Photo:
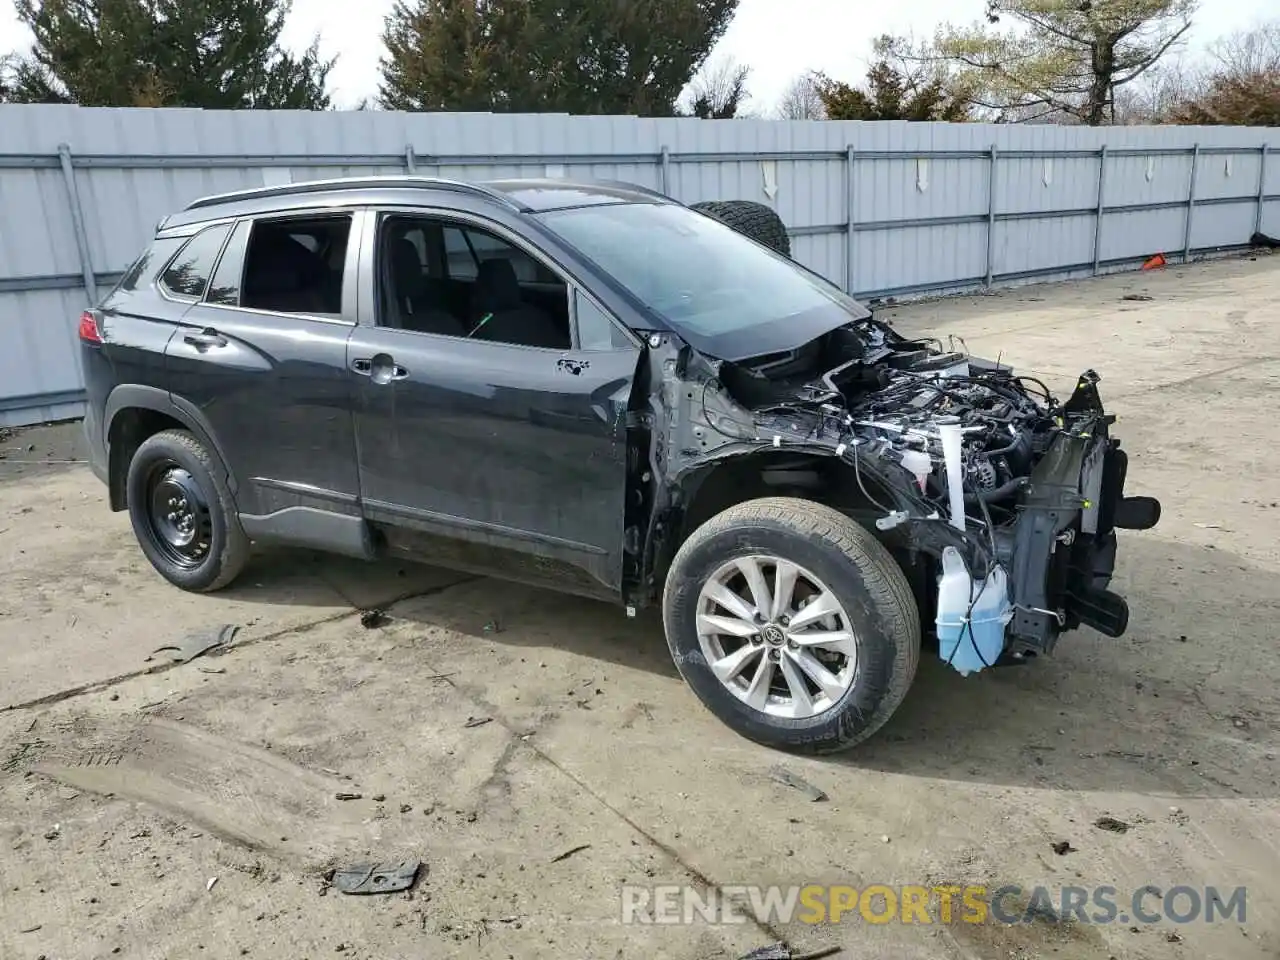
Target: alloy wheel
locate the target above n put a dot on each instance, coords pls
(776, 636)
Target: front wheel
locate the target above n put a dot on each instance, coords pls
(183, 514)
(792, 624)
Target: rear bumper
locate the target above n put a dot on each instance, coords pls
(95, 444)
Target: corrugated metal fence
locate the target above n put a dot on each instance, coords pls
(884, 209)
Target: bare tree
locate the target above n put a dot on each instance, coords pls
(1242, 87)
(719, 90)
(1160, 92)
(801, 101)
(1252, 51)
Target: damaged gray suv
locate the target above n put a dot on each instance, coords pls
(592, 388)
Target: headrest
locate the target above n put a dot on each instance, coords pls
(496, 285)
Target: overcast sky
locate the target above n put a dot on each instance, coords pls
(777, 39)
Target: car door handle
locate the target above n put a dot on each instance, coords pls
(381, 368)
(205, 338)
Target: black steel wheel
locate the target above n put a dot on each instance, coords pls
(183, 514)
(178, 518)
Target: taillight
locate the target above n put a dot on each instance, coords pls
(89, 331)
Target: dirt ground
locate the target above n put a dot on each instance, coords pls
(184, 811)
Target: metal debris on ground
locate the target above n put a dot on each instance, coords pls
(1111, 824)
(780, 951)
(197, 644)
(493, 626)
(477, 721)
(372, 619)
(1062, 847)
(347, 796)
(209, 886)
(787, 778)
(570, 852)
(1141, 297)
(363, 878)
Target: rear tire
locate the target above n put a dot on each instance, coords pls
(183, 514)
(866, 648)
(755, 220)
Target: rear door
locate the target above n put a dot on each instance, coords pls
(491, 454)
(261, 354)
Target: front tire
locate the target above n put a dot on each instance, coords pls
(183, 514)
(792, 624)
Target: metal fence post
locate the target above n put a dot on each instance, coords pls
(991, 216)
(850, 218)
(77, 223)
(1191, 205)
(1262, 192)
(1097, 222)
(665, 159)
(410, 159)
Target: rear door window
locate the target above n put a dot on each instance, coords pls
(188, 273)
(295, 265)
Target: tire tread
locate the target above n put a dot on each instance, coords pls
(236, 546)
(755, 220)
(889, 591)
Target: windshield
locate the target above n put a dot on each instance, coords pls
(726, 295)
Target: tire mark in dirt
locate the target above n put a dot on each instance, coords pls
(243, 794)
(1186, 381)
(96, 686)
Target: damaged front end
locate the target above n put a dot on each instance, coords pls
(1000, 502)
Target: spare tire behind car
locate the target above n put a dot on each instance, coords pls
(755, 220)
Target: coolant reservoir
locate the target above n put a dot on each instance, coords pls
(972, 615)
(920, 464)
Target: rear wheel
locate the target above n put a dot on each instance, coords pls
(183, 514)
(792, 624)
(755, 220)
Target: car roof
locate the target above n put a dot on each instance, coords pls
(521, 195)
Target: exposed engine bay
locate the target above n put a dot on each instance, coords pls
(989, 487)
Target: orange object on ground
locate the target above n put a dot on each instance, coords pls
(1157, 261)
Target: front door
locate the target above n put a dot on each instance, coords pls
(489, 437)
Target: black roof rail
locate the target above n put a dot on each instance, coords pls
(352, 183)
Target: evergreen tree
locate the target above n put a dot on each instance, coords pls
(218, 54)
(571, 56)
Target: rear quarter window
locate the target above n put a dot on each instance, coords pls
(145, 268)
(188, 274)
